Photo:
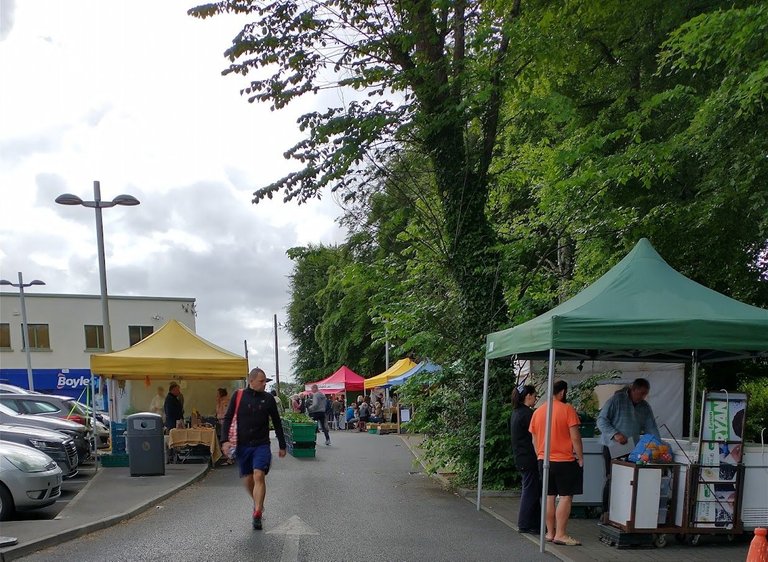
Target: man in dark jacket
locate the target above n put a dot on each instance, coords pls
(255, 408)
(172, 407)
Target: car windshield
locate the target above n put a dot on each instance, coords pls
(7, 411)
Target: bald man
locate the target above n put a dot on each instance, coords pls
(253, 454)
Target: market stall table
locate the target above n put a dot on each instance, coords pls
(179, 438)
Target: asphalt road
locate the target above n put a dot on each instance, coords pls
(363, 497)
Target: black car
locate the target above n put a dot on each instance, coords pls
(60, 447)
(74, 430)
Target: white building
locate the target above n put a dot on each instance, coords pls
(64, 330)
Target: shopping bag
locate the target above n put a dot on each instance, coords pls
(651, 449)
(232, 437)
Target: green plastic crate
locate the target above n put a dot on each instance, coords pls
(303, 453)
(303, 432)
(113, 461)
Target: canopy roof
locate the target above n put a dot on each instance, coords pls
(343, 379)
(641, 309)
(424, 367)
(173, 351)
(395, 370)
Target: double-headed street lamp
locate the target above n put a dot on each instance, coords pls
(24, 326)
(98, 205)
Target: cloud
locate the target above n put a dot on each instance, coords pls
(7, 15)
(139, 104)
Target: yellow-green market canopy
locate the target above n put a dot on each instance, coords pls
(174, 351)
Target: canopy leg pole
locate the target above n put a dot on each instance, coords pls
(694, 377)
(482, 435)
(547, 447)
(92, 404)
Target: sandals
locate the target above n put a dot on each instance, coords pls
(567, 541)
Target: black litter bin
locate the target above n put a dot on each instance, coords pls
(146, 448)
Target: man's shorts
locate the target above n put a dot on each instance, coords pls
(565, 478)
(253, 458)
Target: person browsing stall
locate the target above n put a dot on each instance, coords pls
(173, 409)
(625, 415)
(566, 462)
(529, 515)
(256, 408)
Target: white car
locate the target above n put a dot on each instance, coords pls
(29, 479)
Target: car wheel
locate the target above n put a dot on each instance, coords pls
(6, 503)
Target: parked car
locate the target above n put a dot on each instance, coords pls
(50, 406)
(79, 433)
(13, 389)
(102, 417)
(29, 479)
(60, 447)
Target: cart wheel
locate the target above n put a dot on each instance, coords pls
(693, 540)
(679, 537)
(660, 541)
(731, 538)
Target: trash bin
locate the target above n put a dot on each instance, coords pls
(146, 448)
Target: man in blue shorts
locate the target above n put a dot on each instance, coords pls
(256, 408)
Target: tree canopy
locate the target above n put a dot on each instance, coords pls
(496, 158)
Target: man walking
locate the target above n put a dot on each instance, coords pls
(317, 411)
(566, 462)
(624, 416)
(255, 408)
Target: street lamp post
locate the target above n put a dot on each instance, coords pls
(97, 204)
(24, 325)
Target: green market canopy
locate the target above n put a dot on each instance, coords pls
(641, 309)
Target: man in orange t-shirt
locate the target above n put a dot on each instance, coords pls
(566, 461)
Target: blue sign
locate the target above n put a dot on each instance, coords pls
(64, 382)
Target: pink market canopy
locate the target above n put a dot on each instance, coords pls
(343, 379)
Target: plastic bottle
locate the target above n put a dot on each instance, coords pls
(758, 548)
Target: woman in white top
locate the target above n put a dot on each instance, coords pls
(156, 406)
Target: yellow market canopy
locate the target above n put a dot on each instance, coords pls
(174, 351)
(395, 370)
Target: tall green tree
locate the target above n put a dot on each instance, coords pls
(432, 74)
(311, 271)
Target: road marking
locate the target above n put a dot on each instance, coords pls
(293, 529)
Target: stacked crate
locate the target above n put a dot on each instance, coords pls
(300, 438)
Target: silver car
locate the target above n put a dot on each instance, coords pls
(60, 447)
(50, 406)
(76, 431)
(29, 479)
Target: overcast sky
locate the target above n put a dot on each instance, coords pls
(130, 93)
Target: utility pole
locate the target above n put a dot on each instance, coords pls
(277, 363)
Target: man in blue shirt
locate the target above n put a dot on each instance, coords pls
(625, 415)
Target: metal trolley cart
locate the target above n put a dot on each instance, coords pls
(643, 505)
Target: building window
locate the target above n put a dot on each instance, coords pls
(94, 336)
(38, 336)
(5, 336)
(138, 333)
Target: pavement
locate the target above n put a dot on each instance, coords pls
(113, 496)
(504, 507)
(363, 497)
(110, 497)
